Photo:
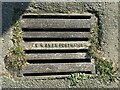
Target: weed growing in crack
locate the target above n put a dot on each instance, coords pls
(15, 58)
(77, 77)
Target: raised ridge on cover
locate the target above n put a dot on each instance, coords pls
(56, 45)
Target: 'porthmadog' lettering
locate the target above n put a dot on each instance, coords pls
(58, 45)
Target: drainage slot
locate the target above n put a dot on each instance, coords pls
(58, 61)
(56, 30)
(54, 39)
(57, 16)
(50, 74)
(56, 51)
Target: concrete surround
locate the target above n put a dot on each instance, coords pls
(107, 14)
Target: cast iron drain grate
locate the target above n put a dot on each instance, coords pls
(56, 44)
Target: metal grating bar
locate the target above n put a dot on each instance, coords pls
(43, 56)
(58, 67)
(55, 23)
(56, 34)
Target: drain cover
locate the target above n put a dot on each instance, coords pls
(56, 44)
